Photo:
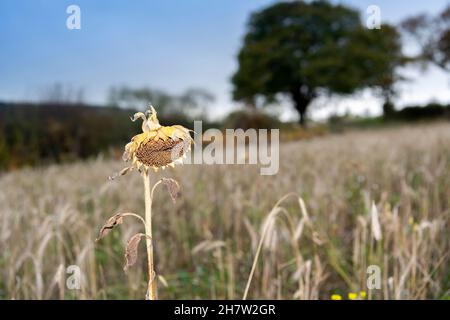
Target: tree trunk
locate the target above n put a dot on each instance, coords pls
(388, 106)
(301, 103)
(301, 108)
(388, 109)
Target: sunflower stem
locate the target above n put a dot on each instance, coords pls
(151, 290)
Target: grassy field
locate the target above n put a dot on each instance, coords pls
(321, 229)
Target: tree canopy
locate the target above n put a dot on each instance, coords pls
(432, 34)
(192, 103)
(303, 49)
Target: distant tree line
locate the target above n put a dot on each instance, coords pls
(192, 103)
(32, 134)
(418, 113)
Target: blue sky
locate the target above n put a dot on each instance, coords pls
(166, 44)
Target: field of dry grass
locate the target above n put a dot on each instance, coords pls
(205, 244)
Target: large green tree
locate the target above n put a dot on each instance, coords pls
(378, 54)
(432, 35)
(303, 49)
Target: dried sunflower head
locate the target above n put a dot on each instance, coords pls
(157, 146)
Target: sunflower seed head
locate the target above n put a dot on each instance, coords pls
(159, 153)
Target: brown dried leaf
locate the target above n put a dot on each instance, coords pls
(132, 250)
(172, 187)
(109, 225)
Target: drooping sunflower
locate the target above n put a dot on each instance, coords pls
(157, 146)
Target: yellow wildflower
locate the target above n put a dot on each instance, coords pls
(352, 295)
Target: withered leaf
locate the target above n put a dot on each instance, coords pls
(132, 250)
(172, 187)
(109, 225)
